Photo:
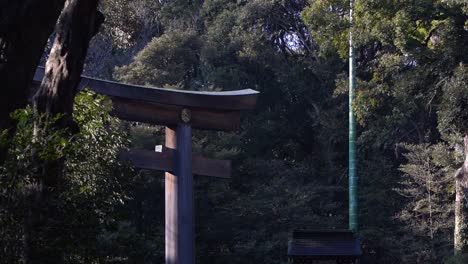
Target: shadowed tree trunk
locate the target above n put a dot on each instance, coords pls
(25, 26)
(461, 205)
(78, 23)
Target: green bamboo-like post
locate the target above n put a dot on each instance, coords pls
(353, 177)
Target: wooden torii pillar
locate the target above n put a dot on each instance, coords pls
(203, 110)
(179, 111)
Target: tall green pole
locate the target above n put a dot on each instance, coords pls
(353, 178)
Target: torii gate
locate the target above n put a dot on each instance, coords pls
(179, 111)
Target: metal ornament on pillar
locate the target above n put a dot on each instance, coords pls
(185, 115)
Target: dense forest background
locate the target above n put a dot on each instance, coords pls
(290, 155)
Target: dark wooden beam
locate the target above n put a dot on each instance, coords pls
(183, 170)
(163, 161)
(145, 159)
(171, 207)
(168, 115)
(180, 224)
(225, 100)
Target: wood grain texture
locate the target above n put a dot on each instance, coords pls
(171, 206)
(179, 226)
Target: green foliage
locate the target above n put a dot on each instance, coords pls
(291, 138)
(407, 53)
(289, 157)
(48, 143)
(94, 197)
(328, 23)
(457, 259)
(428, 189)
(453, 117)
(169, 60)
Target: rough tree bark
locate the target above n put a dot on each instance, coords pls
(461, 205)
(25, 26)
(78, 23)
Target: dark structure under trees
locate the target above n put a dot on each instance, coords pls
(338, 246)
(179, 111)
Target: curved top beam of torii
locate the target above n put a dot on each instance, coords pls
(179, 111)
(225, 100)
(209, 110)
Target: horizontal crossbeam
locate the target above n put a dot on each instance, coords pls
(164, 161)
(169, 115)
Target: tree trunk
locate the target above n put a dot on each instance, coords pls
(25, 26)
(461, 205)
(78, 23)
